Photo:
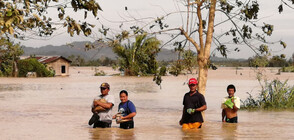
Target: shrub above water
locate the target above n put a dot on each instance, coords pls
(274, 95)
(32, 65)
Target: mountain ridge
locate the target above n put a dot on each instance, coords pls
(102, 51)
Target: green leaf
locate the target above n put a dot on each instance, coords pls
(283, 44)
(85, 15)
(280, 8)
(9, 13)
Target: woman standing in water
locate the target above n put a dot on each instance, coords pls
(126, 111)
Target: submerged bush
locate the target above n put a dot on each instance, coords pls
(100, 73)
(274, 95)
(33, 65)
(288, 69)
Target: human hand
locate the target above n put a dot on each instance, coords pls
(233, 100)
(190, 111)
(96, 103)
(118, 119)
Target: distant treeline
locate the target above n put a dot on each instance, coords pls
(257, 61)
(80, 61)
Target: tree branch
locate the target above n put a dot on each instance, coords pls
(210, 28)
(199, 15)
(190, 39)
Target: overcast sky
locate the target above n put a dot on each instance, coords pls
(114, 12)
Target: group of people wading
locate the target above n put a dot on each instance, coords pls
(194, 103)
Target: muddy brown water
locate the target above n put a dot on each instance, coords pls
(59, 108)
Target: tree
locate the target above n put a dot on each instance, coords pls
(77, 60)
(278, 61)
(186, 61)
(189, 60)
(20, 19)
(33, 65)
(241, 27)
(139, 57)
(258, 61)
(241, 32)
(9, 55)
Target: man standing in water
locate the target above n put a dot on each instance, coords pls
(194, 103)
(230, 106)
(102, 118)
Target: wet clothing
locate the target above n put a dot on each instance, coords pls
(224, 106)
(127, 125)
(191, 125)
(195, 101)
(126, 109)
(101, 124)
(105, 117)
(232, 120)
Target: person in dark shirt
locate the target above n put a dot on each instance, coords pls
(194, 103)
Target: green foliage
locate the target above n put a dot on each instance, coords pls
(19, 17)
(264, 61)
(99, 72)
(223, 50)
(138, 58)
(176, 68)
(80, 61)
(274, 95)
(157, 79)
(76, 60)
(33, 65)
(187, 61)
(162, 71)
(278, 61)
(231, 63)
(9, 55)
(258, 61)
(250, 10)
(288, 69)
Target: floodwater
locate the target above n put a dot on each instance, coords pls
(59, 109)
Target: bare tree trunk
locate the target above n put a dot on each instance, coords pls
(204, 52)
(14, 69)
(202, 75)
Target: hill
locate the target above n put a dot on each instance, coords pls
(78, 48)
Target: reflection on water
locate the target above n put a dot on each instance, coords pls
(229, 130)
(112, 133)
(10, 87)
(59, 108)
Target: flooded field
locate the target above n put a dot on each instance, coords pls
(59, 108)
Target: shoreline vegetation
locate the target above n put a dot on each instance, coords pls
(274, 95)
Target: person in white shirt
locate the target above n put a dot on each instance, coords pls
(103, 117)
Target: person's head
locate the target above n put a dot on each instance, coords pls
(104, 88)
(193, 84)
(123, 95)
(231, 90)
